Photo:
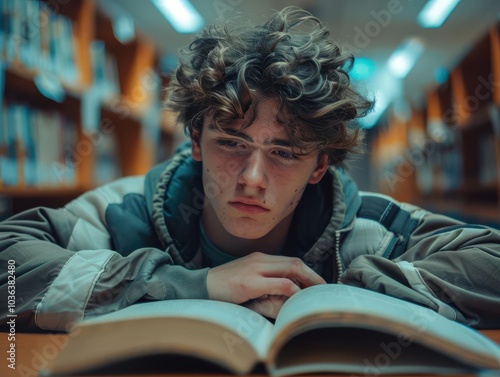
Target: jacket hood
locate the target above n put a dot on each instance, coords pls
(174, 195)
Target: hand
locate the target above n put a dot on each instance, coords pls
(257, 275)
(267, 305)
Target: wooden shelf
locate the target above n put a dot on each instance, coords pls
(129, 111)
(460, 160)
(480, 119)
(43, 191)
(124, 110)
(21, 87)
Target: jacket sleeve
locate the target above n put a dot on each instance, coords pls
(66, 268)
(449, 266)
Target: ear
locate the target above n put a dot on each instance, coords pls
(320, 170)
(196, 146)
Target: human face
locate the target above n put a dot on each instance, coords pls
(252, 179)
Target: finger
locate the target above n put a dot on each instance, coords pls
(293, 269)
(273, 286)
(269, 306)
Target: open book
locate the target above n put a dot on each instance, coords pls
(325, 328)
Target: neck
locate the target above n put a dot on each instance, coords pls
(271, 243)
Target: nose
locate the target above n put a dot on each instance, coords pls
(253, 171)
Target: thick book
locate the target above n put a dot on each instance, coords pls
(325, 328)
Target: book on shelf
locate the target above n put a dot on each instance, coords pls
(105, 70)
(324, 328)
(10, 173)
(488, 169)
(107, 166)
(39, 146)
(38, 38)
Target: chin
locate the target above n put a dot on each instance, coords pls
(243, 231)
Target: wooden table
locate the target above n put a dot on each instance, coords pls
(33, 351)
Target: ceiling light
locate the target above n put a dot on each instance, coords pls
(435, 12)
(181, 14)
(405, 56)
(363, 69)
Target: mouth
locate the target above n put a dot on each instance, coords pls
(247, 207)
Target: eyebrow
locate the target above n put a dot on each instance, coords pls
(244, 136)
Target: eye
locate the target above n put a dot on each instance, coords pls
(286, 155)
(228, 144)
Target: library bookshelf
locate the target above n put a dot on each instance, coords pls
(446, 157)
(79, 107)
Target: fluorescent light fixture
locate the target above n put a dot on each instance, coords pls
(405, 56)
(435, 12)
(364, 69)
(181, 14)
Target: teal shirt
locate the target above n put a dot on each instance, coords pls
(214, 256)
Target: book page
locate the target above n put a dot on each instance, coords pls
(245, 322)
(223, 334)
(356, 307)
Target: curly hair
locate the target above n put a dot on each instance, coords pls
(229, 68)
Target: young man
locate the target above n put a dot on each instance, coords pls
(256, 209)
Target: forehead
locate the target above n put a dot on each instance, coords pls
(261, 123)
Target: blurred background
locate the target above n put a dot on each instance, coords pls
(81, 87)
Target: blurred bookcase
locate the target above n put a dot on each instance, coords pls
(79, 106)
(446, 155)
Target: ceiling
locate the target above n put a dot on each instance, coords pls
(444, 46)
